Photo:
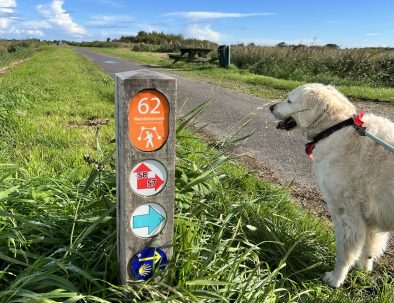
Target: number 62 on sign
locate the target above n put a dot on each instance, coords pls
(148, 120)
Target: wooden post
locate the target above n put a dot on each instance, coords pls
(145, 134)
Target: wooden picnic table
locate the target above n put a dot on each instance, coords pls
(191, 54)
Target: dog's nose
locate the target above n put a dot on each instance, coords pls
(272, 107)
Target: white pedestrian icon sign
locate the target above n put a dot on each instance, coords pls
(148, 133)
(148, 139)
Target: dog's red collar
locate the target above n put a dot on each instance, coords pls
(356, 121)
(309, 147)
(358, 118)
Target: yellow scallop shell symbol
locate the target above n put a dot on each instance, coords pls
(145, 270)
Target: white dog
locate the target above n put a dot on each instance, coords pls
(355, 174)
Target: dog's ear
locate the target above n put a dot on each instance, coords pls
(312, 108)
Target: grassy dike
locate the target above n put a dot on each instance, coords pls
(237, 238)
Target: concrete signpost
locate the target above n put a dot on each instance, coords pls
(145, 132)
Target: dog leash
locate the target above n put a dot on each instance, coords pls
(362, 131)
(355, 121)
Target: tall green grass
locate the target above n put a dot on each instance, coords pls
(366, 66)
(16, 51)
(237, 238)
(233, 240)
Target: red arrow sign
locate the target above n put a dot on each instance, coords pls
(142, 168)
(143, 181)
(146, 183)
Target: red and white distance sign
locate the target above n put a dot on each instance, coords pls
(148, 178)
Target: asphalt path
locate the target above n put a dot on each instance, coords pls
(278, 152)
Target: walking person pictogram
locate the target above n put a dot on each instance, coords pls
(151, 135)
(149, 139)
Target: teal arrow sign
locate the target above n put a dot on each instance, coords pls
(151, 220)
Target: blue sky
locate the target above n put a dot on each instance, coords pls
(346, 23)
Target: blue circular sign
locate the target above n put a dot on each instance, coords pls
(147, 261)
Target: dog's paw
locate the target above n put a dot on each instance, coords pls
(365, 264)
(330, 279)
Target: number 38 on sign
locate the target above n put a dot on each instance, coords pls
(148, 120)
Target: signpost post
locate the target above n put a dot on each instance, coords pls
(145, 134)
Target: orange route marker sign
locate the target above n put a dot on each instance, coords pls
(148, 120)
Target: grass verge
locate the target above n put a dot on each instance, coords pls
(237, 238)
(244, 81)
(52, 110)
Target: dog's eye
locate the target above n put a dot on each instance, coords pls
(288, 101)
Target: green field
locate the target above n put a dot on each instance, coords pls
(237, 237)
(248, 81)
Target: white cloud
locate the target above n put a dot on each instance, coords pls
(4, 23)
(196, 16)
(372, 34)
(114, 20)
(25, 32)
(112, 3)
(8, 28)
(55, 17)
(7, 6)
(198, 23)
(102, 20)
(14, 26)
(203, 33)
(58, 17)
(35, 32)
(36, 24)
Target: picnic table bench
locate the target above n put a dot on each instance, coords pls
(192, 54)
